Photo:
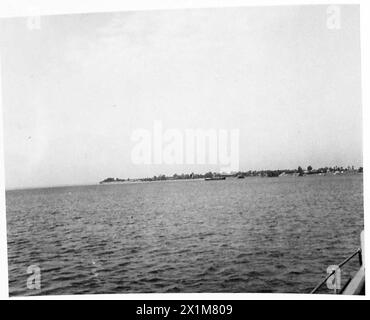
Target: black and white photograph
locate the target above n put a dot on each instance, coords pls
(190, 150)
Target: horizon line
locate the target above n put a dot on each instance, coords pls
(147, 177)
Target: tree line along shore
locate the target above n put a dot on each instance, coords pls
(243, 174)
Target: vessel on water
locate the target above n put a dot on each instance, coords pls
(215, 178)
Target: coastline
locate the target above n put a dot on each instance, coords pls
(230, 178)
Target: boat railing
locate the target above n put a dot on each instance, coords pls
(332, 275)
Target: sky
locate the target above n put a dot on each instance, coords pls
(75, 89)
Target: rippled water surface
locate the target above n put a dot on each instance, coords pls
(237, 235)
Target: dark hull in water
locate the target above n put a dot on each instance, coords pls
(215, 178)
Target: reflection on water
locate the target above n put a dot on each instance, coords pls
(237, 235)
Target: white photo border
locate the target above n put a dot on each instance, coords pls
(20, 8)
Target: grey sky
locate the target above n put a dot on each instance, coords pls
(74, 90)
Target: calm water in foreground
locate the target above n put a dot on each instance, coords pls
(237, 235)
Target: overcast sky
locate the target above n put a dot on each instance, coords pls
(75, 89)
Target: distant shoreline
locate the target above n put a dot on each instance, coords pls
(336, 170)
(134, 181)
(147, 181)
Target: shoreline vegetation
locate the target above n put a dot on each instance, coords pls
(299, 172)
